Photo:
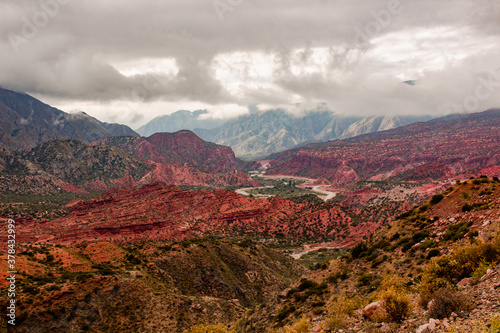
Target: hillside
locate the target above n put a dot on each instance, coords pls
(27, 122)
(180, 148)
(72, 166)
(436, 264)
(103, 287)
(69, 166)
(416, 152)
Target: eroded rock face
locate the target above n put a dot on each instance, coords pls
(179, 148)
(165, 212)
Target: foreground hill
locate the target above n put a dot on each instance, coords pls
(435, 266)
(27, 122)
(162, 212)
(417, 152)
(102, 287)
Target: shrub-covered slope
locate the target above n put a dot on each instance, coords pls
(432, 263)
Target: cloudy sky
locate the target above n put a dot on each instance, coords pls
(127, 61)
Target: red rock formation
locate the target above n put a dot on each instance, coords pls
(182, 148)
(165, 212)
(421, 151)
(182, 158)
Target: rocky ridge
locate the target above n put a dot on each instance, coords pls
(416, 152)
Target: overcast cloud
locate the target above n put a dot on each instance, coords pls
(128, 61)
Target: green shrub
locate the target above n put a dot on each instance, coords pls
(495, 320)
(427, 244)
(318, 311)
(423, 208)
(436, 198)
(480, 270)
(445, 301)
(382, 244)
(343, 305)
(82, 277)
(446, 271)
(364, 279)
(299, 297)
(395, 236)
(317, 304)
(379, 261)
(358, 250)
(486, 191)
(433, 253)
(457, 231)
(397, 306)
(287, 310)
(333, 322)
(392, 292)
(306, 284)
(420, 236)
(467, 207)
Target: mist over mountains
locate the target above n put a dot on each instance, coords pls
(262, 133)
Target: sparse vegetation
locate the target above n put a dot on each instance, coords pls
(442, 302)
(446, 271)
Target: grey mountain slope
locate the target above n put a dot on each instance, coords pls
(27, 122)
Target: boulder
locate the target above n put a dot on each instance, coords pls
(375, 312)
(464, 282)
(423, 329)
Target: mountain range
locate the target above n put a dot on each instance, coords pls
(262, 133)
(73, 166)
(27, 122)
(407, 242)
(434, 265)
(416, 152)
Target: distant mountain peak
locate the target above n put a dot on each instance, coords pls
(28, 122)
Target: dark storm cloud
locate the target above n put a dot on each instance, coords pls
(71, 49)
